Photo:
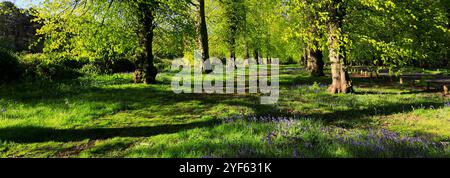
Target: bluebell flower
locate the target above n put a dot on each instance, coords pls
(447, 104)
(295, 153)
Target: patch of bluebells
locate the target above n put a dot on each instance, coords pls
(303, 86)
(323, 86)
(267, 119)
(447, 104)
(295, 153)
(285, 122)
(269, 138)
(382, 141)
(245, 151)
(374, 142)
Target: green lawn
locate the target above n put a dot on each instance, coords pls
(108, 116)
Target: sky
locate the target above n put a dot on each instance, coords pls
(24, 3)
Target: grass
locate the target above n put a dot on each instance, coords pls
(108, 116)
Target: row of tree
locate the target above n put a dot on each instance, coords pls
(382, 33)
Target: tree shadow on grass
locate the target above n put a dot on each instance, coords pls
(136, 98)
(41, 134)
(155, 95)
(366, 82)
(424, 91)
(143, 97)
(304, 80)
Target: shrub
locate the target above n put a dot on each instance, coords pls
(9, 66)
(108, 66)
(50, 67)
(95, 68)
(123, 65)
(7, 44)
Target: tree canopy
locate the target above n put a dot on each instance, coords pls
(388, 34)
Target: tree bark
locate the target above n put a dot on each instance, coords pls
(233, 50)
(202, 32)
(247, 52)
(315, 62)
(256, 56)
(147, 19)
(304, 59)
(341, 80)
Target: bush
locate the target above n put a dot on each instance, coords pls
(7, 44)
(95, 68)
(106, 66)
(56, 66)
(123, 65)
(50, 67)
(10, 69)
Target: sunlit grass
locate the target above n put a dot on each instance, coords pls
(108, 116)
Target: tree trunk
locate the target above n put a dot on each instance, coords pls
(340, 77)
(304, 59)
(232, 54)
(233, 50)
(147, 19)
(256, 55)
(233, 58)
(247, 52)
(315, 62)
(309, 65)
(341, 80)
(202, 32)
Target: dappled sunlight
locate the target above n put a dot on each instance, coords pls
(111, 117)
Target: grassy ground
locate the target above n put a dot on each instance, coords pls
(108, 116)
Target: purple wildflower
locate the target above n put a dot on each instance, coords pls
(447, 104)
(295, 153)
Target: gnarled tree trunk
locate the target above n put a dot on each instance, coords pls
(341, 80)
(315, 62)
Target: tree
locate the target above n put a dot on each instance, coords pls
(254, 28)
(202, 33)
(341, 82)
(417, 34)
(310, 29)
(314, 54)
(146, 18)
(234, 11)
(125, 27)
